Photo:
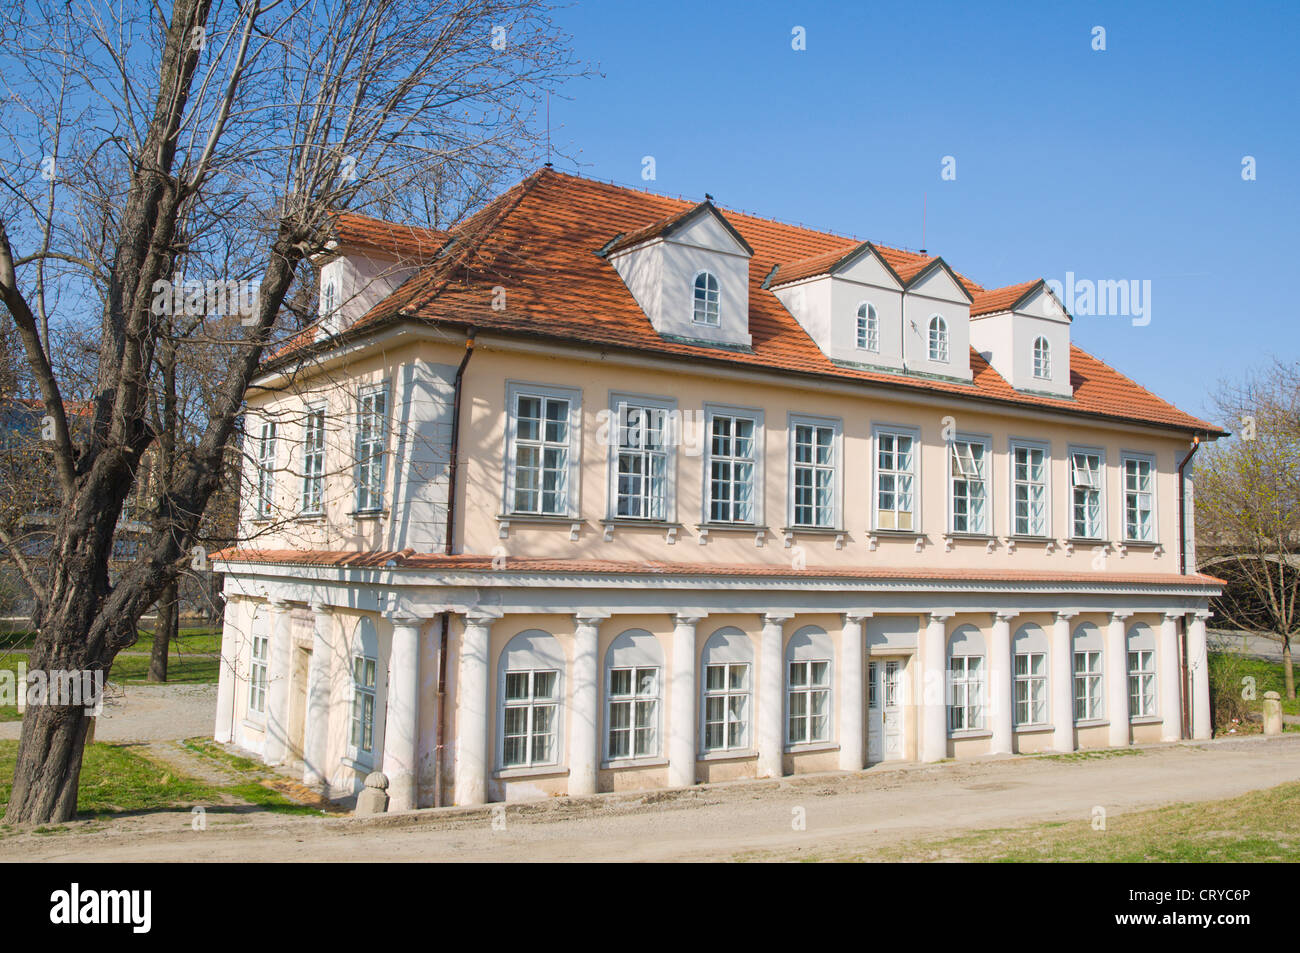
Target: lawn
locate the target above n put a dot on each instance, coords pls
(1268, 678)
(116, 779)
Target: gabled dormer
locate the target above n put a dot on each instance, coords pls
(690, 275)
(364, 261)
(936, 322)
(1023, 331)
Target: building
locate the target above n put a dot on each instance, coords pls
(604, 490)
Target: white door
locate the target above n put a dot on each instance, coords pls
(884, 711)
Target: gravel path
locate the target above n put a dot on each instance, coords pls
(149, 713)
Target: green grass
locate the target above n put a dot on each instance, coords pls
(1089, 755)
(1268, 677)
(187, 669)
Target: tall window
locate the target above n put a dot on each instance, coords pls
(814, 475)
(633, 712)
(540, 475)
(808, 703)
(731, 468)
(1088, 702)
(1029, 490)
(266, 470)
(257, 674)
(1042, 359)
(328, 299)
(895, 481)
(868, 328)
(363, 703)
(1031, 688)
(530, 702)
(1139, 500)
(968, 460)
(966, 692)
(642, 479)
(371, 426)
(1141, 671)
(1085, 489)
(938, 339)
(313, 460)
(726, 706)
(706, 299)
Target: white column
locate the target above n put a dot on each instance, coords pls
(472, 682)
(853, 664)
(771, 707)
(683, 696)
(1198, 667)
(1062, 672)
(276, 748)
(1117, 679)
(228, 679)
(584, 715)
(1169, 676)
(402, 723)
(317, 726)
(1000, 707)
(934, 688)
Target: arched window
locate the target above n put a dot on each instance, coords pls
(706, 299)
(328, 299)
(1042, 359)
(1089, 698)
(868, 327)
(1141, 671)
(634, 666)
(938, 339)
(1030, 649)
(531, 689)
(966, 679)
(808, 657)
(366, 725)
(728, 665)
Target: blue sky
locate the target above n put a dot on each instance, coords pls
(1117, 164)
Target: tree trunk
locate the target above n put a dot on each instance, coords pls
(48, 766)
(166, 629)
(1287, 672)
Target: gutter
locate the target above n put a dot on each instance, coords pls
(449, 548)
(1182, 570)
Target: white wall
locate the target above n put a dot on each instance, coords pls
(1006, 341)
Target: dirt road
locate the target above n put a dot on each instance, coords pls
(717, 822)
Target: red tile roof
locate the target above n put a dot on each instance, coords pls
(540, 239)
(401, 240)
(409, 559)
(1001, 299)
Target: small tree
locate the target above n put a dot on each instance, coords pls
(1248, 507)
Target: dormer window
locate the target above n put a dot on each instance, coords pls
(1042, 359)
(938, 339)
(706, 299)
(868, 328)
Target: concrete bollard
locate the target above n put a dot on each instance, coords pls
(1272, 713)
(374, 799)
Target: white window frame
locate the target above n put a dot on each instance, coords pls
(938, 345)
(313, 461)
(955, 459)
(711, 302)
(1100, 454)
(726, 693)
(1042, 359)
(671, 437)
(1035, 689)
(372, 448)
(1149, 459)
(836, 426)
(1089, 688)
(867, 330)
(967, 682)
(806, 692)
(329, 298)
(633, 700)
(264, 504)
(1144, 702)
(257, 675)
(759, 457)
(515, 390)
(532, 703)
(881, 430)
(359, 719)
(1015, 444)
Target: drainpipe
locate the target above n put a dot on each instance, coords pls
(1182, 570)
(448, 548)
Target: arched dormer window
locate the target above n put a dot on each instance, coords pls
(706, 300)
(868, 328)
(1042, 359)
(938, 339)
(328, 299)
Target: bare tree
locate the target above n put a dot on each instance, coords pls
(140, 138)
(1248, 507)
